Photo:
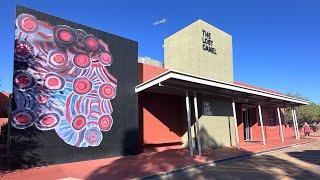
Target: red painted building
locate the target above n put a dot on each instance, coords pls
(162, 108)
(87, 112)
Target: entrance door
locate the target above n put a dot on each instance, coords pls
(246, 122)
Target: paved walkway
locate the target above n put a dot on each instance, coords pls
(147, 163)
(258, 146)
(299, 162)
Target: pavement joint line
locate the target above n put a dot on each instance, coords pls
(214, 163)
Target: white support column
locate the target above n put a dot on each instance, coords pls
(235, 123)
(295, 117)
(195, 102)
(294, 123)
(261, 124)
(189, 124)
(280, 124)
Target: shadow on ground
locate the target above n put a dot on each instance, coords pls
(261, 167)
(160, 159)
(309, 156)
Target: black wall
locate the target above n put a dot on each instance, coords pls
(32, 147)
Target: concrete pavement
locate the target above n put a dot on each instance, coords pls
(298, 162)
(155, 162)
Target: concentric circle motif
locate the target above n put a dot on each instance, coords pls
(93, 136)
(22, 118)
(82, 60)
(53, 82)
(23, 51)
(27, 23)
(107, 91)
(47, 121)
(52, 58)
(82, 85)
(105, 122)
(64, 35)
(105, 58)
(23, 80)
(79, 122)
(57, 59)
(91, 42)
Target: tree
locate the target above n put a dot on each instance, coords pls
(305, 113)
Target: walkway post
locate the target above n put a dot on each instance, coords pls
(280, 124)
(261, 123)
(295, 117)
(235, 122)
(189, 124)
(195, 102)
(294, 123)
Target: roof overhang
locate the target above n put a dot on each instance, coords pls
(174, 82)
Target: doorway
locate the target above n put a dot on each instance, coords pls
(246, 124)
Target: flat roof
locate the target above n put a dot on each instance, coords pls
(172, 79)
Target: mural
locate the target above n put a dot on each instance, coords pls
(61, 82)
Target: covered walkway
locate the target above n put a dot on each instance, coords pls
(237, 99)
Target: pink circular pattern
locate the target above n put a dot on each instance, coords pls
(65, 36)
(53, 82)
(91, 42)
(93, 136)
(27, 23)
(105, 58)
(82, 85)
(49, 120)
(23, 118)
(107, 91)
(79, 122)
(81, 60)
(58, 59)
(105, 122)
(23, 79)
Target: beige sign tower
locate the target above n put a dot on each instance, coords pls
(200, 49)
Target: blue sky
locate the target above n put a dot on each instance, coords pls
(276, 43)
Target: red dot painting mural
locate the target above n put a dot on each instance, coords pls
(64, 85)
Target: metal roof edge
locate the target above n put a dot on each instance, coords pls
(184, 76)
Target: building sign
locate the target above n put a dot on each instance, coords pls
(207, 42)
(207, 107)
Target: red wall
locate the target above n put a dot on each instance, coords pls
(147, 72)
(271, 128)
(162, 118)
(4, 105)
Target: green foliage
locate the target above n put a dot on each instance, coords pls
(309, 113)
